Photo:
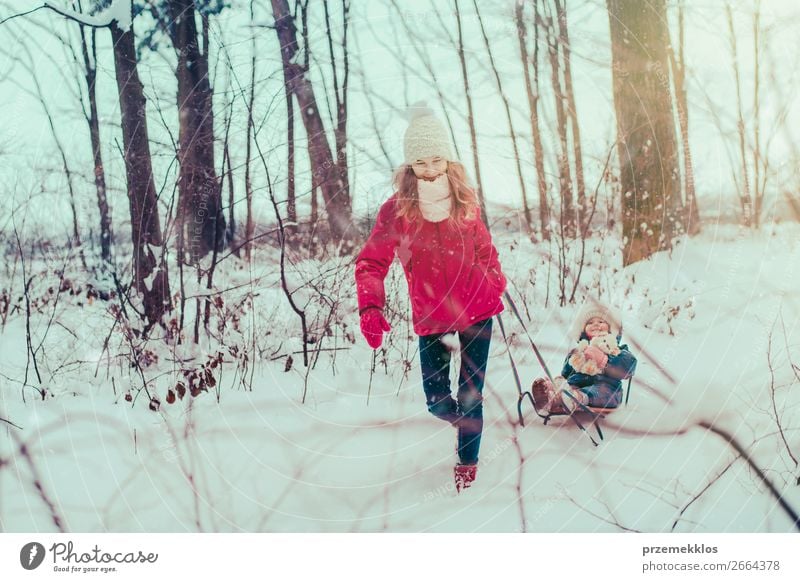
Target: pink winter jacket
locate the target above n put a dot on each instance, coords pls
(453, 273)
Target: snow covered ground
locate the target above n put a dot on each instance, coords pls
(720, 315)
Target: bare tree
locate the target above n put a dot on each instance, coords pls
(145, 223)
(470, 113)
(678, 68)
(226, 160)
(645, 126)
(532, 91)
(572, 111)
(507, 107)
(150, 278)
(89, 53)
(758, 182)
(568, 209)
(248, 182)
(745, 197)
(201, 223)
(329, 171)
(87, 64)
(340, 90)
(291, 195)
(40, 95)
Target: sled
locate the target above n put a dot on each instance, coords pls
(593, 411)
(582, 413)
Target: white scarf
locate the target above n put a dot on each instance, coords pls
(435, 201)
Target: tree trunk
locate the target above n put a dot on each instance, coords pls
(532, 90)
(744, 198)
(328, 176)
(231, 226)
(150, 277)
(758, 183)
(200, 216)
(568, 208)
(340, 93)
(90, 64)
(291, 196)
(645, 125)
(470, 117)
(572, 110)
(249, 227)
(691, 212)
(226, 173)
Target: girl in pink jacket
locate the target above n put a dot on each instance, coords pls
(432, 224)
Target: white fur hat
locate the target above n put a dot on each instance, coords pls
(590, 310)
(426, 136)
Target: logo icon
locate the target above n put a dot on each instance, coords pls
(31, 555)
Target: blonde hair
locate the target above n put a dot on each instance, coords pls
(465, 202)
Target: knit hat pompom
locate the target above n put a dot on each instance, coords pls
(590, 310)
(418, 109)
(426, 136)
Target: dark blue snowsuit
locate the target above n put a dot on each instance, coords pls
(604, 390)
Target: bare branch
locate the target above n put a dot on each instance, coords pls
(731, 440)
(115, 13)
(22, 14)
(11, 423)
(700, 493)
(37, 483)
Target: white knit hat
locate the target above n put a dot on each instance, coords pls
(590, 310)
(426, 136)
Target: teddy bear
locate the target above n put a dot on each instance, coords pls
(591, 357)
(606, 343)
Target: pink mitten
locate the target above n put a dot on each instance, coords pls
(373, 324)
(596, 355)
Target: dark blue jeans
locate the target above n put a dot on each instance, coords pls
(466, 411)
(603, 395)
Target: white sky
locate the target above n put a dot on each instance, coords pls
(30, 162)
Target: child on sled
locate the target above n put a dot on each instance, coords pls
(593, 370)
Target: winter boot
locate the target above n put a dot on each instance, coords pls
(542, 391)
(571, 398)
(464, 476)
(546, 397)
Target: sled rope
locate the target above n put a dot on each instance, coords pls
(595, 417)
(530, 339)
(521, 395)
